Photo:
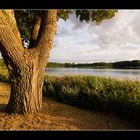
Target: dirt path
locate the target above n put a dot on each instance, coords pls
(57, 116)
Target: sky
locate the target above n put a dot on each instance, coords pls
(116, 39)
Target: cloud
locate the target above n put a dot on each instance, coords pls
(114, 40)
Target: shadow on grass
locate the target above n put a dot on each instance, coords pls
(60, 109)
(131, 115)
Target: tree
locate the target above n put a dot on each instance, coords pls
(26, 65)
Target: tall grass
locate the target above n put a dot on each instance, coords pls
(121, 97)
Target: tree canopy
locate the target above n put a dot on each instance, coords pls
(26, 18)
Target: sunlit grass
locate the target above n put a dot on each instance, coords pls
(121, 97)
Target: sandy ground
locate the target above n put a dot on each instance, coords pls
(58, 116)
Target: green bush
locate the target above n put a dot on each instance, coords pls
(120, 97)
(4, 76)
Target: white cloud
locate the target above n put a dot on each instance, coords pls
(114, 40)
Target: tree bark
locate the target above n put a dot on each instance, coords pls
(26, 89)
(26, 66)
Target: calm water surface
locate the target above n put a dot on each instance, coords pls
(115, 73)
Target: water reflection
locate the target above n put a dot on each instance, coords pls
(116, 73)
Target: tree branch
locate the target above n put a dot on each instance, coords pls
(10, 44)
(35, 30)
(10, 20)
(46, 34)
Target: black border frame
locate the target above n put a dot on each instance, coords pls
(55, 135)
(70, 4)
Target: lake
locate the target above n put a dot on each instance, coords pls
(115, 73)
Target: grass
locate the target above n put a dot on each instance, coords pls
(120, 97)
(58, 116)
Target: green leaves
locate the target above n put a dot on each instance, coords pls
(25, 18)
(64, 14)
(95, 15)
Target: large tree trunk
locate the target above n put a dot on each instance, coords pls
(26, 90)
(26, 66)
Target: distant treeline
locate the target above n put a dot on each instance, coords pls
(53, 65)
(91, 65)
(134, 64)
